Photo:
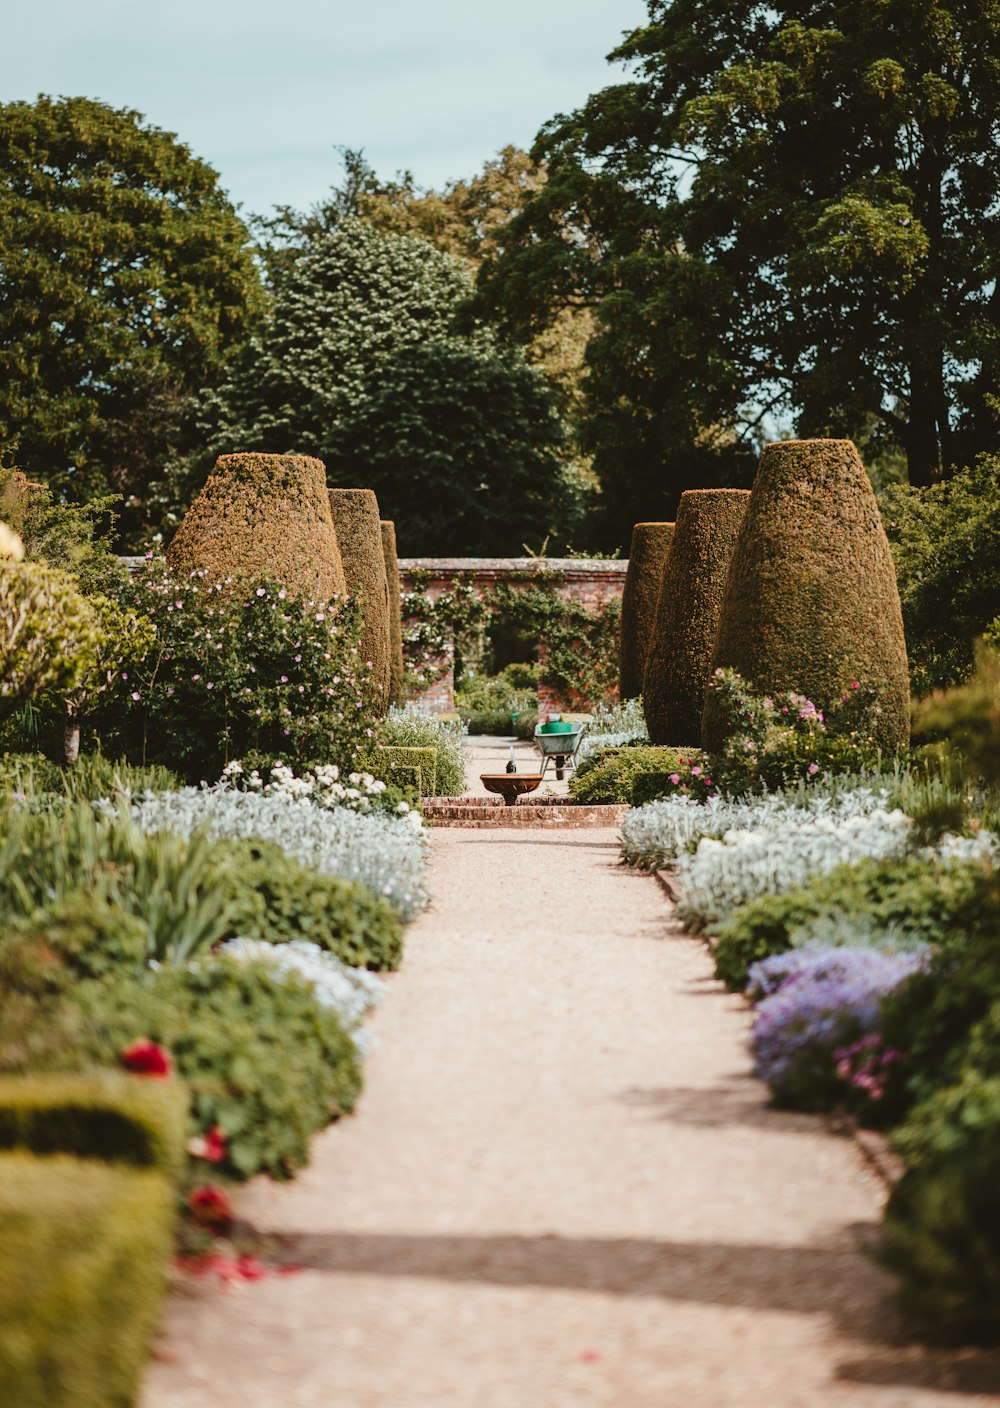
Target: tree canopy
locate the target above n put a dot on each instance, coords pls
(125, 275)
(365, 361)
(786, 211)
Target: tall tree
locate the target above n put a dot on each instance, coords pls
(125, 275)
(786, 209)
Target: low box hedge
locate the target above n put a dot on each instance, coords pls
(389, 757)
(83, 1246)
(121, 1118)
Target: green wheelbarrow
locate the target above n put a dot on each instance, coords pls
(558, 743)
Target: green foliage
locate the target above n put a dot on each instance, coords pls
(945, 541)
(50, 636)
(401, 729)
(942, 1225)
(788, 211)
(647, 557)
(83, 1247)
(107, 1115)
(29, 774)
(487, 704)
(355, 514)
(235, 672)
(397, 666)
(274, 898)
(263, 1061)
(78, 538)
(92, 778)
(387, 757)
(126, 276)
(613, 774)
(362, 362)
(969, 717)
(911, 900)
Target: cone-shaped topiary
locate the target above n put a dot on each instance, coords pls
(647, 555)
(359, 533)
(397, 669)
(687, 613)
(263, 516)
(811, 602)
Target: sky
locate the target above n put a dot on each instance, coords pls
(264, 90)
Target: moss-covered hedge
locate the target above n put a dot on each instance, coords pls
(397, 667)
(687, 613)
(263, 516)
(811, 602)
(120, 1118)
(646, 559)
(387, 758)
(83, 1246)
(359, 533)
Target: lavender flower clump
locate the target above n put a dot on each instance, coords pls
(817, 1002)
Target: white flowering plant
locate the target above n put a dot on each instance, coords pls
(324, 786)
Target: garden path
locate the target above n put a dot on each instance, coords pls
(561, 1188)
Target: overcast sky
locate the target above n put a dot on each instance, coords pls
(264, 89)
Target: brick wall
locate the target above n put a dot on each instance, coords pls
(589, 581)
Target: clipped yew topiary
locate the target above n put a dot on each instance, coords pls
(263, 516)
(397, 669)
(687, 613)
(811, 602)
(359, 533)
(646, 558)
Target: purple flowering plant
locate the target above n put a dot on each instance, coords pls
(816, 1031)
(239, 668)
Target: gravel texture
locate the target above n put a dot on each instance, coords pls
(561, 1188)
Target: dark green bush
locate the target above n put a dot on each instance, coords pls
(275, 898)
(385, 758)
(401, 729)
(77, 936)
(263, 1061)
(912, 897)
(613, 776)
(105, 1115)
(83, 1246)
(942, 1223)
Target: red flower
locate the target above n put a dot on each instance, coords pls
(145, 1058)
(210, 1206)
(210, 1146)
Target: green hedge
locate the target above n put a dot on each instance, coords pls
(125, 1119)
(387, 758)
(82, 1250)
(613, 774)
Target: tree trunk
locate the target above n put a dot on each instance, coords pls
(71, 742)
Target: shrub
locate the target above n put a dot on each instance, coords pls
(614, 775)
(646, 559)
(383, 853)
(811, 601)
(487, 703)
(356, 518)
(106, 1115)
(942, 1222)
(83, 1247)
(265, 1063)
(385, 758)
(397, 666)
(262, 516)
(348, 992)
(687, 613)
(906, 901)
(402, 729)
(613, 726)
(273, 897)
(49, 634)
(820, 1002)
(232, 673)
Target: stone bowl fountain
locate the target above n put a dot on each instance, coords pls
(510, 785)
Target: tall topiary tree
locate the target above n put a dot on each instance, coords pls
(811, 602)
(397, 669)
(263, 516)
(646, 559)
(359, 532)
(687, 612)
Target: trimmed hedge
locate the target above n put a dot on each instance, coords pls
(614, 774)
(119, 1118)
(397, 667)
(263, 516)
(687, 613)
(388, 757)
(83, 1246)
(646, 560)
(811, 602)
(359, 533)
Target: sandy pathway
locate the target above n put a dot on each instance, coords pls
(561, 1189)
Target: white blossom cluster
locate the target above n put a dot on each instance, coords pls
(386, 853)
(322, 786)
(349, 992)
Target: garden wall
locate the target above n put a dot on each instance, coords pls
(590, 582)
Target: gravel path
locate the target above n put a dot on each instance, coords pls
(561, 1188)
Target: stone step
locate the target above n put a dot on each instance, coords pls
(481, 812)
